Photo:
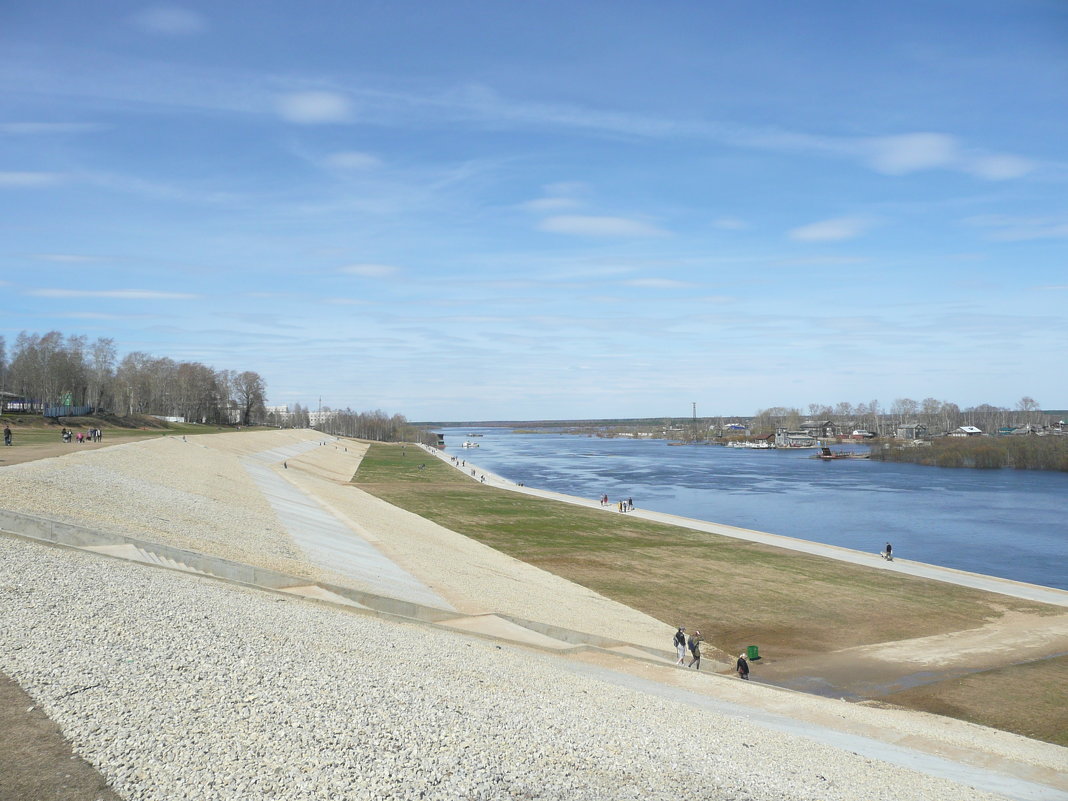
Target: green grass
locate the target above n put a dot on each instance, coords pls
(736, 592)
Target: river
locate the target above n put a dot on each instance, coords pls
(1007, 523)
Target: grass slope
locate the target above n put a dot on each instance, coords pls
(736, 592)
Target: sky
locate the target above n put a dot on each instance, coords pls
(478, 210)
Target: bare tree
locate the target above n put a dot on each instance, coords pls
(101, 370)
(250, 392)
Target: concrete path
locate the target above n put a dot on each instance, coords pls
(329, 542)
(755, 722)
(1016, 589)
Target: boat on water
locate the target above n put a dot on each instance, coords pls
(826, 454)
(755, 445)
(469, 445)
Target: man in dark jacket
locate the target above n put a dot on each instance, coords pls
(743, 667)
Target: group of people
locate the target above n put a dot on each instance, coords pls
(623, 505)
(92, 435)
(692, 643)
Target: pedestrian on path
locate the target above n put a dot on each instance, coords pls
(695, 650)
(889, 555)
(7, 435)
(680, 645)
(743, 667)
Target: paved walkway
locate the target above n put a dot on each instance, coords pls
(1016, 589)
(328, 541)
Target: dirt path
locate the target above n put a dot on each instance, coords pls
(17, 454)
(36, 761)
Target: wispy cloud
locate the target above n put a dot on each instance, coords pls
(547, 204)
(30, 179)
(907, 153)
(315, 108)
(1005, 228)
(352, 160)
(117, 294)
(43, 128)
(370, 270)
(579, 225)
(833, 230)
(730, 224)
(169, 20)
(657, 283)
(64, 258)
(476, 106)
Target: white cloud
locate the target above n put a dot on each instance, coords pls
(119, 294)
(898, 155)
(998, 167)
(352, 160)
(29, 179)
(544, 204)
(907, 153)
(833, 230)
(314, 108)
(657, 283)
(566, 188)
(33, 128)
(730, 224)
(579, 225)
(1005, 228)
(370, 270)
(169, 20)
(64, 258)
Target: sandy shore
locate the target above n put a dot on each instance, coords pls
(195, 494)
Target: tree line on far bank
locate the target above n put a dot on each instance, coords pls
(376, 425)
(937, 416)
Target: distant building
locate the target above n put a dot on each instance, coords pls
(794, 439)
(819, 428)
(911, 431)
(966, 431)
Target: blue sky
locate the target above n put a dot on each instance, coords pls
(505, 210)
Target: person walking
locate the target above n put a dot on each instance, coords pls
(889, 555)
(680, 645)
(695, 649)
(7, 435)
(742, 667)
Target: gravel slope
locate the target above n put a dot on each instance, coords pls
(179, 687)
(176, 686)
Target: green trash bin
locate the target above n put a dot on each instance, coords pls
(752, 652)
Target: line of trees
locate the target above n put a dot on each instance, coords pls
(376, 425)
(938, 416)
(53, 369)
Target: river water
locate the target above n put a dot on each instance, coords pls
(1007, 523)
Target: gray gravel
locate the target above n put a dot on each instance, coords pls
(179, 687)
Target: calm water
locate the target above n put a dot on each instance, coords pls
(1008, 523)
